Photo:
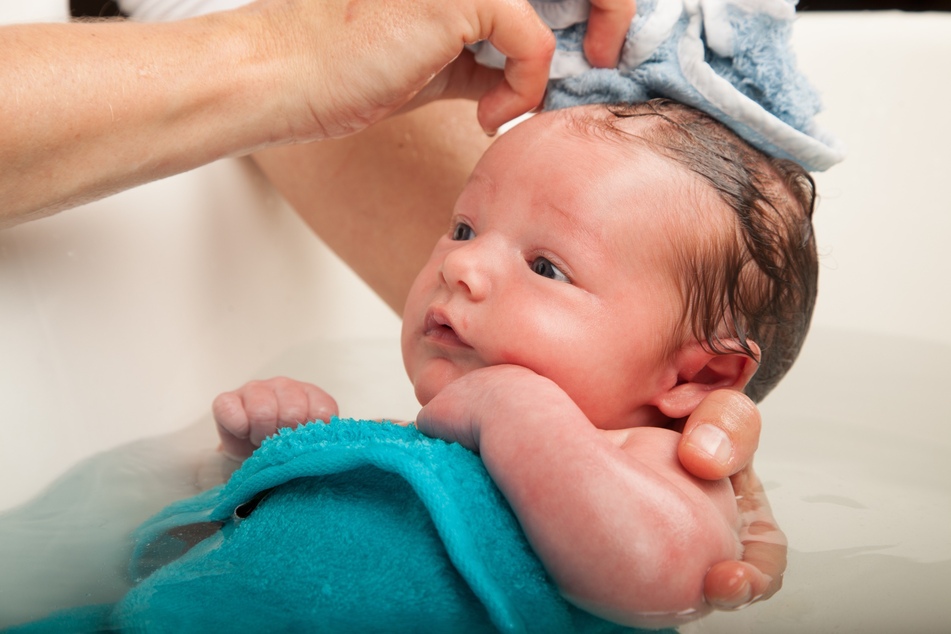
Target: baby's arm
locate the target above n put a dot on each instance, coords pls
(258, 409)
(623, 530)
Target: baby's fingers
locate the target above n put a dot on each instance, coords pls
(233, 425)
(247, 416)
(262, 407)
(321, 406)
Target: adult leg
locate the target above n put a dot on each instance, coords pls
(380, 199)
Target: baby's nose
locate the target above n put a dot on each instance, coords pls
(469, 269)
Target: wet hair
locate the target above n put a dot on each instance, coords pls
(757, 283)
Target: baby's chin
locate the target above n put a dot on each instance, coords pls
(424, 394)
(432, 380)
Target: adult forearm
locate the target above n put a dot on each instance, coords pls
(90, 109)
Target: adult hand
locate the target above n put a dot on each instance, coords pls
(719, 440)
(351, 63)
(608, 24)
(103, 106)
(730, 585)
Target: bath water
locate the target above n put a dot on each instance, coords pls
(853, 457)
(70, 545)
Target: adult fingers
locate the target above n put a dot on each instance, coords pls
(720, 436)
(462, 79)
(608, 24)
(731, 585)
(514, 28)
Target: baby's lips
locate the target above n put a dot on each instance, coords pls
(439, 324)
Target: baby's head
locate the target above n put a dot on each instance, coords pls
(639, 257)
(753, 282)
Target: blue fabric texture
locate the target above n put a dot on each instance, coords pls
(729, 58)
(352, 526)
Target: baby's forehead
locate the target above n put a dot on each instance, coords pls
(635, 139)
(644, 140)
(592, 137)
(593, 140)
(601, 122)
(595, 130)
(576, 135)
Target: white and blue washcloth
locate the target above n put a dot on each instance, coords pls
(729, 58)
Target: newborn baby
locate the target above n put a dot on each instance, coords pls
(605, 270)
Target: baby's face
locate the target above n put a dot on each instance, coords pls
(558, 258)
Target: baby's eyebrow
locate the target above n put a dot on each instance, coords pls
(570, 222)
(568, 216)
(481, 180)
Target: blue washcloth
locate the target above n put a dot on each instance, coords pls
(729, 58)
(352, 526)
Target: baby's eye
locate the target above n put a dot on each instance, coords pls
(545, 268)
(462, 231)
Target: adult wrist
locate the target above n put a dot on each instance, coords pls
(285, 62)
(258, 86)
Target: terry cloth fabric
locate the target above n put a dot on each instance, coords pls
(352, 526)
(729, 58)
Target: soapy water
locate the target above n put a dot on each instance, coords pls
(857, 477)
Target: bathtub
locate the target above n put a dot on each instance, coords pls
(121, 320)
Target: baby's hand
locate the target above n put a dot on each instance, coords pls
(484, 396)
(258, 409)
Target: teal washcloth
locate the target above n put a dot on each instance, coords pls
(352, 526)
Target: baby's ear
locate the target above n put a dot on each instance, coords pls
(700, 372)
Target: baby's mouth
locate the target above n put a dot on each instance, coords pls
(439, 328)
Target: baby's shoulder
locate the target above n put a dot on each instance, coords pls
(656, 448)
(657, 439)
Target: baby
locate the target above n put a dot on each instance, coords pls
(605, 269)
